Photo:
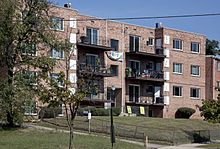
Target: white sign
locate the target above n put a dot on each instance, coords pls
(72, 38)
(166, 87)
(167, 39)
(166, 63)
(166, 100)
(73, 22)
(72, 64)
(114, 55)
(73, 77)
(89, 116)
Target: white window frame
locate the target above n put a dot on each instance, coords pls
(181, 87)
(60, 84)
(133, 48)
(139, 92)
(27, 53)
(198, 44)
(174, 43)
(150, 43)
(55, 28)
(175, 72)
(92, 39)
(58, 51)
(31, 113)
(198, 94)
(195, 75)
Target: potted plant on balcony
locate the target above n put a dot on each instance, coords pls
(128, 71)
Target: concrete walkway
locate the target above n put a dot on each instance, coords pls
(150, 146)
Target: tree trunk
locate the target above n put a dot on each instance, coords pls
(71, 137)
(10, 119)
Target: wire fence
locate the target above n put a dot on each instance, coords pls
(139, 133)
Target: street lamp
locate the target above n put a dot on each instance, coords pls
(112, 126)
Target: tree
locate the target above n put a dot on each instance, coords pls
(24, 28)
(212, 47)
(210, 109)
(58, 91)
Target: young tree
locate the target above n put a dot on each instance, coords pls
(58, 92)
(24, 28)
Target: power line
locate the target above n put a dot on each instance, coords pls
(152, 17)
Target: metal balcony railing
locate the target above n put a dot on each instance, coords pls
(94, 70)
(153, 74)
(94, 40)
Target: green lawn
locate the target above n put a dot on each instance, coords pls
(211, 146)
(157, 129)
(36, 139)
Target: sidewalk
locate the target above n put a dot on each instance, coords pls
(184, 146)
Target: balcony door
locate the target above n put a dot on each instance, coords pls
(135, 67)
(157, 93)
(92, 35)
(134, 93)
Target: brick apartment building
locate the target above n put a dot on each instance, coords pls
(158, 69)
(212, 78)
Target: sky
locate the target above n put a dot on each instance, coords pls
(208, 26)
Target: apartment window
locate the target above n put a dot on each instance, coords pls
(177, 68)
(195, 70)
(218, 66)
(57, 53)
(150, 41)
(134, 43)
(29, 49)
(194, 92)
(30, 108)
(55, 77)
(218, 84)
(177, 44)
(195, 46)
(134, 93)
(114, 70)
(57, 23)
(92, 35)
(177, 91)
(135, 66)
(92, 60)
(93, 88)
(114, 44)
(30, 77)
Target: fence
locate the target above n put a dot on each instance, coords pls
(133, 132)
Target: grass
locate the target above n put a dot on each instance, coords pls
(175, 131)
(36, 139)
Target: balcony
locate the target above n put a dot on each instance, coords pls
(158, 101)
(98, 42)
(147, 75)
(99, 71)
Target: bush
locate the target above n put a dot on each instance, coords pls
(46, 112)
(184, 112)
(98, 111)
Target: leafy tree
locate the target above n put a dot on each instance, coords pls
(58, 92)
(210, 109)
(212, 47)
(24, 28)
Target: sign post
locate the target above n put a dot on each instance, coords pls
(89, 118)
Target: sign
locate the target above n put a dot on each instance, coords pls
(115, 55)
(129, 109)
(89, 116)
(142, 110)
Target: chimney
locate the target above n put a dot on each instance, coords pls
(159, 25)
(67, 5)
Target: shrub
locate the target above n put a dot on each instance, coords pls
(46, 112)
(184, 112)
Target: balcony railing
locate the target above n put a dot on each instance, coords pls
(95, 70)
(95, 40)
(149, 101)
(145, 75)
